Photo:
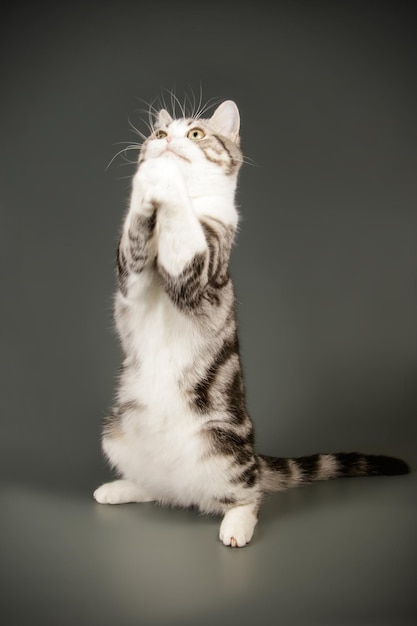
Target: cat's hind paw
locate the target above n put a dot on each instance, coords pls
(237, 527)
(120, 492)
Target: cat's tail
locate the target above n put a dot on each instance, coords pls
(281, 473)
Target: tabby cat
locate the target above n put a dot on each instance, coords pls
(179, 432)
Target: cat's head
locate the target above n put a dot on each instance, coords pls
(201, 146)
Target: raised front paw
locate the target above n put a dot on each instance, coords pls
(157, 182)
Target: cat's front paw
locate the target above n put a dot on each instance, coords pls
(157, 182)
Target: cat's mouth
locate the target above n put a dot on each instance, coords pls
(172, 153)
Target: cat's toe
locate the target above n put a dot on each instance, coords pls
(102, 495)
(237, 541)
(120, 492)
(237, 527)
(235, 537)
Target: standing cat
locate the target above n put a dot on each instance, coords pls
(179, 432)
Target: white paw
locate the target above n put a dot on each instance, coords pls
(157, 181)
(119, 492)
(236, 529)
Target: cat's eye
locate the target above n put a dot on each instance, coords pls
(196, 134)
(160, 134)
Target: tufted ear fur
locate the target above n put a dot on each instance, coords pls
(226, 120)
(163, 118)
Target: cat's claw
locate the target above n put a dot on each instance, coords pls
(237, 527)
(234, 542)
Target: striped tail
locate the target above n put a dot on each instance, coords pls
(278, 474)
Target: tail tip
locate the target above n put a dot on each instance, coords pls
(391, 466)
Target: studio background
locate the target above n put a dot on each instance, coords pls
(325, 273)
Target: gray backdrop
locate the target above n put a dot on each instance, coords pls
(325, 272)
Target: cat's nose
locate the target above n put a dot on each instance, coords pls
(169, 139)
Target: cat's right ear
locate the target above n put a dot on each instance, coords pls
(163, 118)
(227, 120)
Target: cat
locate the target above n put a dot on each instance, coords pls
(179, 432)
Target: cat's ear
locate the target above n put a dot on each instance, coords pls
(226, 119)
(163, 118)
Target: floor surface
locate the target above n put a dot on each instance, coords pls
(337, 553)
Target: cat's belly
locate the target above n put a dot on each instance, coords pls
(161, 443)
(168, 456)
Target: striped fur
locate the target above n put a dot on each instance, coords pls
(180, 432)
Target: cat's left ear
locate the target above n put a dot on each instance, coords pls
(163, 118)
(226, 119)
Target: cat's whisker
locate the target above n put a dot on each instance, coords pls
(152, 114)
(200, 101)
(136, 130)
(191, 99)
(174, 102)
(248, 161)
(128, 177)
(151, 111)
(122, 152)
(203, 109)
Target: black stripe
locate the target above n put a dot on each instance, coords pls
(232, 163)
(219, 246)
(309, 465)
(276, 464)
(386, 465)
(185, 290)
(191, 275)
(227, 442)
(209, 158)
(112, 423)
(202, 389)
(121, 260)
(236, 399)
(138, 235)
(356, 464)
(121, 269)
(141, 227)
(249, 475)
(130, 405)
(213, 243)
(227, 500)
(350, 463)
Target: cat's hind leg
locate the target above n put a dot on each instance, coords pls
(120, 492)
(238, 524)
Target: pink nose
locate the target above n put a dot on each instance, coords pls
(169, 139)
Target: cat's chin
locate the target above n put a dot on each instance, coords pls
(170, 154)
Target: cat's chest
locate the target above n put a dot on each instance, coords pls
(164, 444)
(156, 333)
(162, 344)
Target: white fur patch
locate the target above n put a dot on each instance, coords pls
(296, 476)
(120, 492)
(238, 525)
(327, 468)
